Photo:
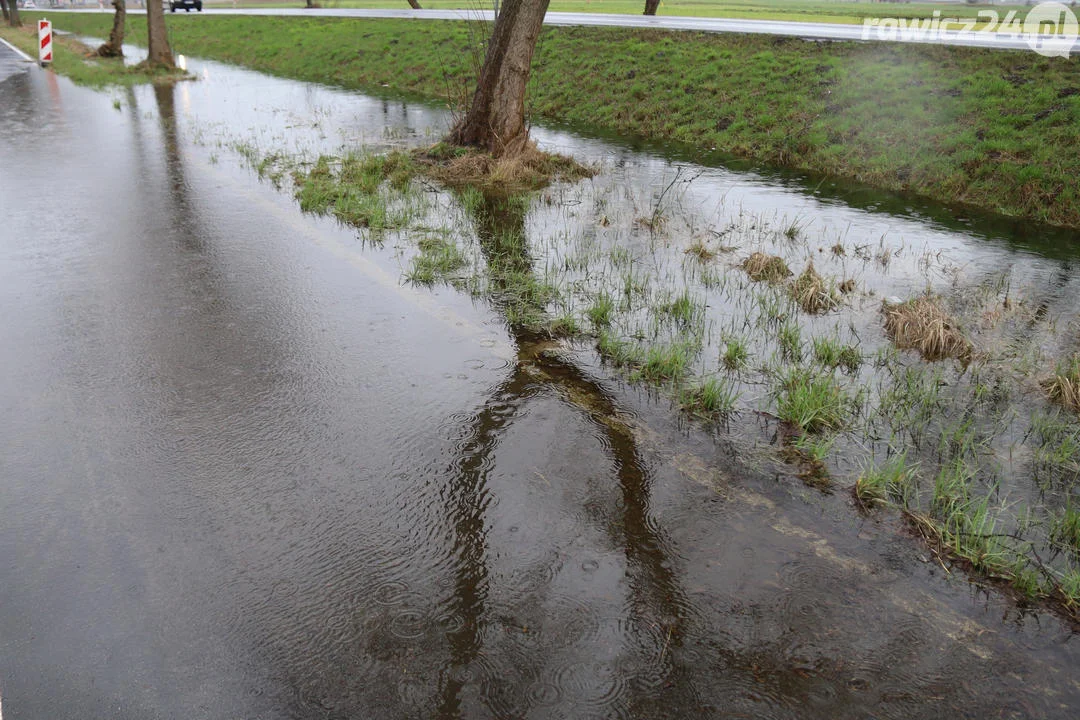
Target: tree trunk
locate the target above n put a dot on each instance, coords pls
(13, 13)
(157, 41)
(651, 6)
(3, 8)
(115, 46)
(495, 119)
(415, 5)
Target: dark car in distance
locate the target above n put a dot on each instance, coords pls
(185, 5)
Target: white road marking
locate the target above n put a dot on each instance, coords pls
(25, 57)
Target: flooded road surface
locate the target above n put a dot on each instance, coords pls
(246, 472)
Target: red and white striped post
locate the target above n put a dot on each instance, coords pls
(44, 32)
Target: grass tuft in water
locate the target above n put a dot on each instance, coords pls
(1064, 386)
(893, 480)
(830, 353)
(350, 190)
(813, 402)
(921, 324)
(736, 355)
(565, 326)
(529, 169)
(700, 251)
(768, 268)
(600, 312)
(1065, 529)
(682, 309)
(666, 362)
(789, 336)
(619, 351)
(437, 261)
(714, 397)
(814, 293)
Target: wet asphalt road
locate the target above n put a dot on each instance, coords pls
(956, 36)
(11, 62)
(245, 473)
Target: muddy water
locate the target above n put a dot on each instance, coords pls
(246, 472)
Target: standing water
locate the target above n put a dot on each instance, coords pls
(256, 464)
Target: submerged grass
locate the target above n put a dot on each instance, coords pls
(350, 190)
(653, 326)
(437, 261)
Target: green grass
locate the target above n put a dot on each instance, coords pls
(600, 312)
(666, 362)
(1069, 587)
(681, 309)
(789, 337)
(812, 402)
(805, 10)
(1065, 529)
(437, 261)
(831, 354)
(349, 190)
(894, 480)
(69, 60)
(714, 397)
(736, 354)
(619, 351)
(990, 129)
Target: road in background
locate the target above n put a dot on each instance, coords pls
(807, 30)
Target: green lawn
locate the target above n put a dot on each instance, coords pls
(804, 10)
(992, 129)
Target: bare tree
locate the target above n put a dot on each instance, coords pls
(157, 41)
(115, 46)
(495, 119)
(651, 6)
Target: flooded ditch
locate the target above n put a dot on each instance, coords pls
(658, 263)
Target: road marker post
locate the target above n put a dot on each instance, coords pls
(44, 31)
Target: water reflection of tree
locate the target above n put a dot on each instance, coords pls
(657, 596)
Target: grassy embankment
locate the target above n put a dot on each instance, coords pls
(837, 11)
(995, 130)
(73, 59)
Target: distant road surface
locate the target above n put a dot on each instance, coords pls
(807, 30)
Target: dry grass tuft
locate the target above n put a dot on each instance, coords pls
(922, 325)
(701, 251)
(771, 268)
(814, 293)
(530, 169)
(1064, 386)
